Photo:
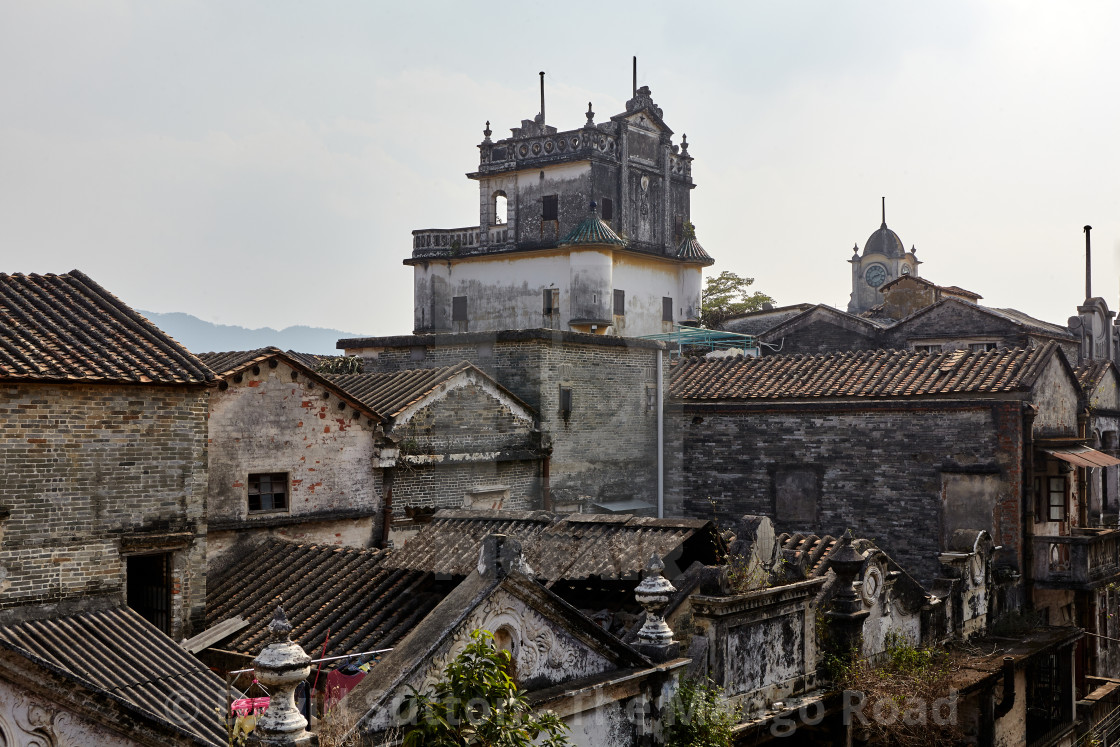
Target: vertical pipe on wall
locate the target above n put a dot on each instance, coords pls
(660, 440)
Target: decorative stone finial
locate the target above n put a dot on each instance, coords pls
(655, 639)
(280, 666)
(590, 116)
(487, 132)
(684, 144)
(847, 614)
(279, 630)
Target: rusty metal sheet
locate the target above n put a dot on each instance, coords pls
(1083, 456)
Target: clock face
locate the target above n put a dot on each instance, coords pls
(906, 269)
(875, 276)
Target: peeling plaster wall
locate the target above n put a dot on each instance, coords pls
(26, 719)
(607, 447)
(89, 467)
(270, 423)
(1056, 395)
(506, 291)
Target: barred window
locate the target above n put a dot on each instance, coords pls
(268, 492)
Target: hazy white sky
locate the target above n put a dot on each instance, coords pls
(263, 163)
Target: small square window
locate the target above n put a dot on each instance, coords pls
(666, 309)
(459, 309)
(620, 303)
(608, 208)
(268, 492)
(550, 208)
(1056, 498)
(927, 348)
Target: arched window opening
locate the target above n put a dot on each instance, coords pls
(499, 208)
(504, 640)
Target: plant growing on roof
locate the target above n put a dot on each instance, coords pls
(340, 364)
(477, 702)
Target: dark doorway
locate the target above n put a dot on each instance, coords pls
(149, 588)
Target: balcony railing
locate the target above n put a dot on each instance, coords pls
(1081, 560)
(438, 241)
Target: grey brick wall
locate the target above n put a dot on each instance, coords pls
(87, 466)
(878, 469)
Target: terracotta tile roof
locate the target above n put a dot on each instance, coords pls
(1030, 322)
(868, 373)
(223, 364)
(390, 394)
(349, 591)
(558, 547)
(68, 328)
(1089, 374)
(117, 652)
(815, 550)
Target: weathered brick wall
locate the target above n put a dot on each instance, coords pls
(468, 418)
(607, 447)
(878, 468)
(823, 337)
(278, 421)
(446, 485)
(87, 466)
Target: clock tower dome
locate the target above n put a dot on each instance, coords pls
(884, 258)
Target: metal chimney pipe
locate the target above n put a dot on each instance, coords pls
(1088, 266)
(634, 90)
(542, 96)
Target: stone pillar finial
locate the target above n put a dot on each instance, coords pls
(590, 116)
(847, 614)
(280, 666)
(487, 132)
(655, 639)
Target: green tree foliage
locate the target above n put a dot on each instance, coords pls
(701, 717)
(725, 295)
(478, 703)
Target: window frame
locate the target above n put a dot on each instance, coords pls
(619, 302)
(254, 483)
(667, 309)
(459, 308)
(550, 207)
(607, 210)
(1054, 507)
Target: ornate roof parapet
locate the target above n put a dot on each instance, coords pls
(643, 99)
(655, 638)
(280, 666)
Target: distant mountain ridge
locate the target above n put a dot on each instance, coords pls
(206, 337)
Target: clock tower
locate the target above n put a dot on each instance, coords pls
(884, 258)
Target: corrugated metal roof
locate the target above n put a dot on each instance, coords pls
(349, 591)
(867, 373)
(118, 652)
(592, 231)
(556, 547)
(68, 328)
